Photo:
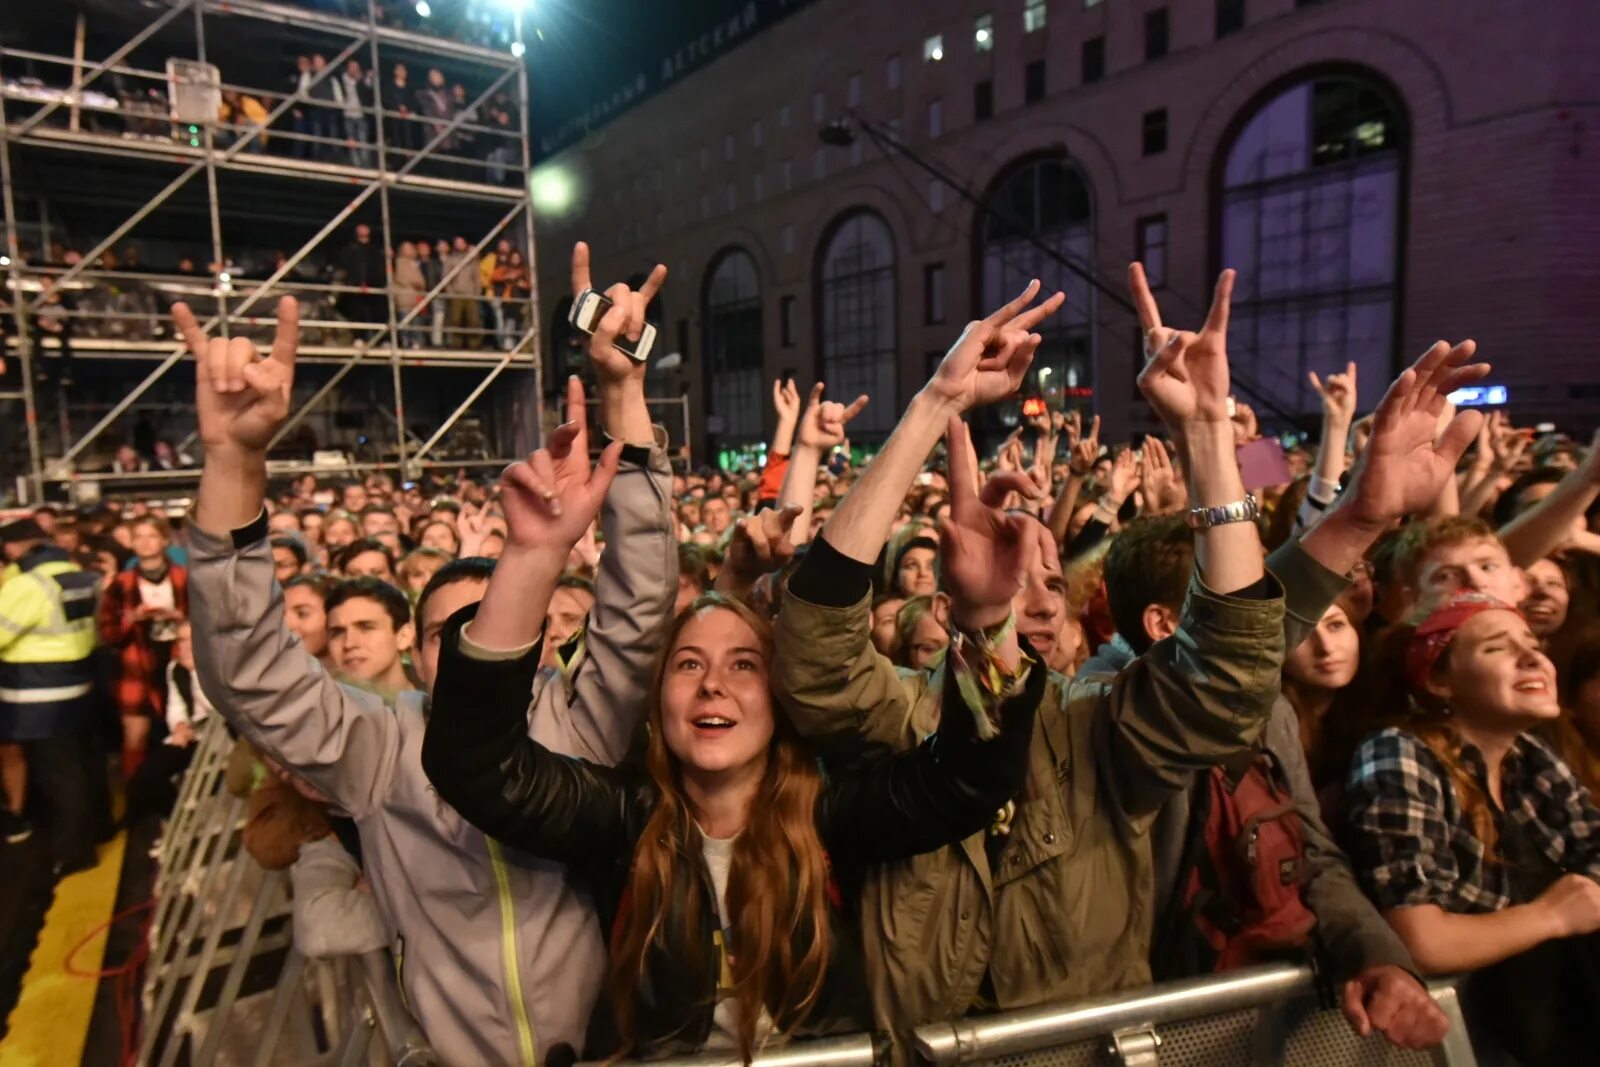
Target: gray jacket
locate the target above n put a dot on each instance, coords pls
(500, 958)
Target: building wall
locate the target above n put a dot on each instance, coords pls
(1501, 181)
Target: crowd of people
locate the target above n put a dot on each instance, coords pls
(633, 760)
(483, 305)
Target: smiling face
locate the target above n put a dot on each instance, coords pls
(1495, 675)
(1548, 597)
(1328, 659)
(716, 707)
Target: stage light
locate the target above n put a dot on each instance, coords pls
(552, 190)
(423, 10)
(518, 48)
(5, 261)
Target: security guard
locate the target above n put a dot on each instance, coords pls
(47, 698)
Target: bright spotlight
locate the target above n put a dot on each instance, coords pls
(936, 55)
(982, 36)
(552, 190)
(518, 48)
(423, 10)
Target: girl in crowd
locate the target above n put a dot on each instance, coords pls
(1319, 681)
(725, 865)
(442, 536)
(915, 566)
(1477, 841)
(419, 565)
(919, 638)
(140, 610)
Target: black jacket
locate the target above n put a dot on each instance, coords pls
(479, 756)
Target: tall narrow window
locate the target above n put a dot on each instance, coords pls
(1155, 33)
(732, 315)
(1311, 203)
(856, 318)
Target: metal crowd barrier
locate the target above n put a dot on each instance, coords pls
(224, 984)
(1255, 1016)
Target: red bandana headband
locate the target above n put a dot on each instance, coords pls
(1436, 632)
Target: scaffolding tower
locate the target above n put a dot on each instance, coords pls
(181, 145)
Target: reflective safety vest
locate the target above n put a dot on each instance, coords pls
(47, 637)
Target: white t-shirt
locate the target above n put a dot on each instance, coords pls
(725, 1020)
(159, 595)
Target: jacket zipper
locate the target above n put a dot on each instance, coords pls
(509, 954)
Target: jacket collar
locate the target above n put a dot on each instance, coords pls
(41, 554)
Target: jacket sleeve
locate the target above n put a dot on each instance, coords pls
(343, 741)
(1352, 933)
(331, 916)
(117, 626)
(22, 607)
(1309, 589)
(177, 707)
(1190, 700)
(947, 788)
(479, 756)
(836, 688)
(634, 591)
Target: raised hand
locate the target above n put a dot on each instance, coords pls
(761, 543)
(1338, 395)
(473, 526)
(988, 361)
(1186, 377)
(983, 549)
(624, 319)
(552, 497)
(1164, 492)
(1407, 459)
(1507, 443)
(1123, 480)
(786, 400)
(823, 425)
(240, 398)
(1085, 451)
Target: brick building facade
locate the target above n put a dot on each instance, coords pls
(1382, 172)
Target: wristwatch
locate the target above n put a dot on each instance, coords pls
(1246, 510)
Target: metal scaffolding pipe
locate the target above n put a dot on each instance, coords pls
(78, 84)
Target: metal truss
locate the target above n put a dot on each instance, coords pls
(352, 343)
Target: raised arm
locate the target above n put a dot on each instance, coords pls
(637, 579)
(262, 680)
(987, 363)
(479, 756)
(820, 430)
(1081, 454)
(1544, 527)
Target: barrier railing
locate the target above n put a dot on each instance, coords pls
(224, 984)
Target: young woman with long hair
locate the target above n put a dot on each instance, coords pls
(1476, 840)
(1321, 682)
(724, 865)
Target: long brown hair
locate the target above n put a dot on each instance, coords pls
(1435, 726)
(777, 892)
(1331, 739)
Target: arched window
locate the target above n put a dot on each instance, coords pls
(1311, 194)
(856, 274)
(733, 349)
(1046, 200)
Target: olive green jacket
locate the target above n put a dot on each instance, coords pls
(1068, 908)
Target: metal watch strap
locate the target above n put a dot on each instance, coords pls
(1246, 510)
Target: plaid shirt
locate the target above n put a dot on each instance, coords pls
(1410, 842)
(141, 689)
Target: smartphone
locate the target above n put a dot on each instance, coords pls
(590, 306)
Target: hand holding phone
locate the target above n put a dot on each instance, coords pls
(589, 314)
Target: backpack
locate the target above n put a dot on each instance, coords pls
(1238, 896)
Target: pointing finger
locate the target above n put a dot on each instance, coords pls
(854, 409)
(193, 335)
(286, 339)
(1221, 301)
(1006, 312)
(1143, 299)
(580, 268)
